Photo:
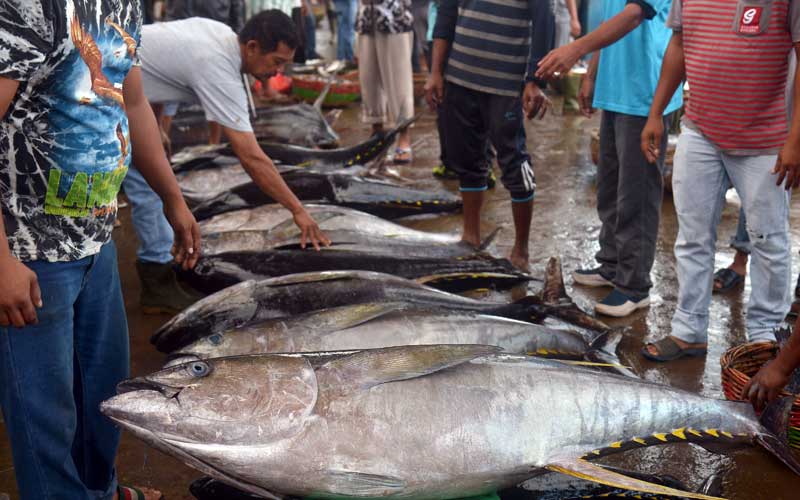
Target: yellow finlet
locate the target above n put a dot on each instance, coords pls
(712, 432)
(694, 432)
(726, 434)
(640, 441)
(618, 444)
(660, 437)
(679, 433)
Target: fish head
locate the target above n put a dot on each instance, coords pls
(216, 345)
(247, 399)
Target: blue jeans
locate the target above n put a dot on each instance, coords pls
(55, 374)
(311, 36)
(741, 240)
(700, 178)
(154, 232)
(346, 11)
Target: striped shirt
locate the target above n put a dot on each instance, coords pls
(736, 55)
(491, 42)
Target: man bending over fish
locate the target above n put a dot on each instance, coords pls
(486, 50)
(203, 60)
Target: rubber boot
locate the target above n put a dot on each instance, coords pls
(161, 292)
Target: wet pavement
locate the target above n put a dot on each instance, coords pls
(565, 224)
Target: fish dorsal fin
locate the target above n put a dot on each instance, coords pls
(344, 317)
(582, 469)
(368, 368)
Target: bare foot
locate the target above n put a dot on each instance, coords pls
(520, 260)
(149, 494)
(683, 345)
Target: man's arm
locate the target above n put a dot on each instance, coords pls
(673, 72)
(574, 20)
(151, 161)
(443, 34)
(770, 380)
(19, 288)
(561, 60)
(788, 165)
(268, 179)
(586, 92)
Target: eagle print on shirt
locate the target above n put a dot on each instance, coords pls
(65, 141)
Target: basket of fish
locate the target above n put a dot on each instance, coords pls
(741, 363)
(342, 92)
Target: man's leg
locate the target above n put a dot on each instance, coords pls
(767, 209)
(607, 184)
(699, 182)
(507, 134)
(465, 139)
(639, 194)
(102, 361)
(160, 289)
(36, 388)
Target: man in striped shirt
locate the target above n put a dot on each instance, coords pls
(485, 46)
(735, 56)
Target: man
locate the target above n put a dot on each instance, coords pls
(621, 81)
(210, 70)
(735, 133)
(230, 12)
(770, 380)
(488, 58)
(73, 112)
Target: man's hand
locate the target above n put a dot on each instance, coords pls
(651, 139)
(788, 165)
(766, 386)
(586, 96)
(558, 62)
(19, 294)
(534, 102)
(310, 231)
(434, 90)
(575, 28)
(186, 248)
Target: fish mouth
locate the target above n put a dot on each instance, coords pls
(180, 358)
(144, 384)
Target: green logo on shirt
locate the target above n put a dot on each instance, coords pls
(86, 193)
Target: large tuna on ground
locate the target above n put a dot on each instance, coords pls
(419, 422)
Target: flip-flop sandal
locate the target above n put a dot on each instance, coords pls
(728, 279)
(402, 151)
(131, 493)
(669, 350)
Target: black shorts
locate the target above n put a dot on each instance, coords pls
(469, 118)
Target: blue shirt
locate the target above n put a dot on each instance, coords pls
(629, 69)
(495, 43)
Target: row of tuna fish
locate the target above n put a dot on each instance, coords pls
(346, 384)
(342, 382)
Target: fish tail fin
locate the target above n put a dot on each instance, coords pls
(554, 292)
(604, 350)
(489, 239)
(775, 420)
(324, 94)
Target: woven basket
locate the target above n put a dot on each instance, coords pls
(741, 363)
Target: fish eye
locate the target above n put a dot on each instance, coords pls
(199, 369)
(215, 339)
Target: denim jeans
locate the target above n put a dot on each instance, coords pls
(741, 240)
(154, 232)
(55, 374)
(310, 27)
(346, 28)
(700, 178)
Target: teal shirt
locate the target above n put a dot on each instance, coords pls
(629, 69)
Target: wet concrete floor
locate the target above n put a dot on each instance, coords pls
(565, 224)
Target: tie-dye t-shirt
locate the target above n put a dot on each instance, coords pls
(64, 143)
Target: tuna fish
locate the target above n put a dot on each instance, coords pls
(420, 422)
(380, 198)
(256, 301)
(214, 272)
(386, 324)
(278, 221)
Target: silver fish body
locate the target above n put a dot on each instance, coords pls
(409, 422)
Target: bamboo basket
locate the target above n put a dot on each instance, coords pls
(740, 364)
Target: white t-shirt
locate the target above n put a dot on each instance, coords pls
(196, 60)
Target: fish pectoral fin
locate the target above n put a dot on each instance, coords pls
(365, 369)
(582, 469)
(358, 484)
(364, 313)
